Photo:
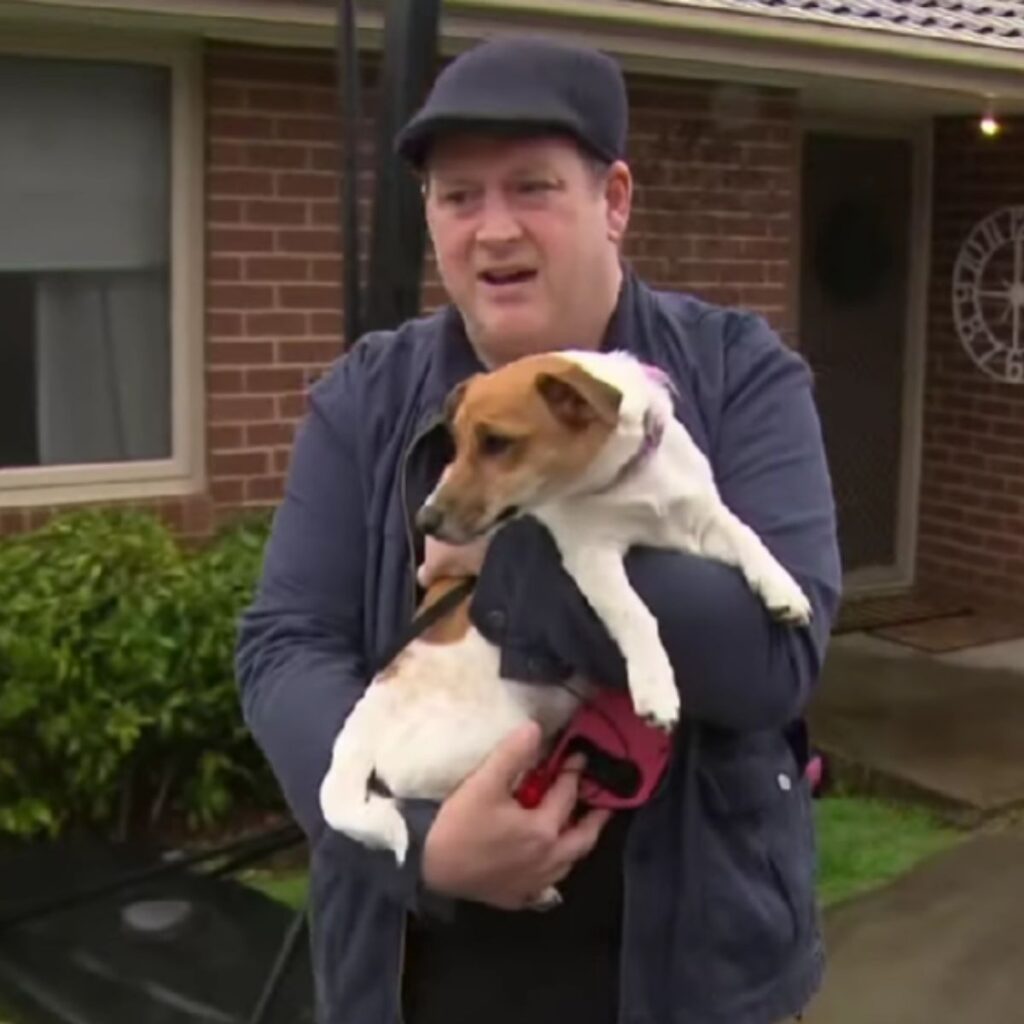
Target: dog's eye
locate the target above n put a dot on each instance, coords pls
(491, 444)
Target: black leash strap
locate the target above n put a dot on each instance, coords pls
(430, 615)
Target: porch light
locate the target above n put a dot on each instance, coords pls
(989, 126)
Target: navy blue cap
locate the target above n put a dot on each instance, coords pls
(525, 85)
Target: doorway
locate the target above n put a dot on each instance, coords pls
(860, 286)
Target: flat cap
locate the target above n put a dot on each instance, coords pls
(524, 85)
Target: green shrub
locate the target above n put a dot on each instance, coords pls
(117, 699)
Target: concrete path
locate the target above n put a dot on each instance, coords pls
(942, 945)
(947, 728)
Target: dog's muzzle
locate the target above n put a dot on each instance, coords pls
(429, 520)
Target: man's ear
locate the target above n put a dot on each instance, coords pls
(577, 399)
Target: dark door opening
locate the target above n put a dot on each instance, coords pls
(854, 290)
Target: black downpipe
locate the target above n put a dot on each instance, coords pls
(347, 76)
(399, 230)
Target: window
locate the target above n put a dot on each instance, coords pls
(94, 364)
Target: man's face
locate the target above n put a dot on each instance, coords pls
(526, 235)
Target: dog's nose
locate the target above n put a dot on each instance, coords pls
(429, 519)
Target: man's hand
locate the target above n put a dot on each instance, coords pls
(484, 846)
(441, 559)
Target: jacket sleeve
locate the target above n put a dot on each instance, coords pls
(735, 666)
(299, 655)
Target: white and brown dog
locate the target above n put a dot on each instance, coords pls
(589, 445)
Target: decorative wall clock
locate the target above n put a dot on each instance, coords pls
(988, 294)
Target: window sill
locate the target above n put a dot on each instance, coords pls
(95, 484)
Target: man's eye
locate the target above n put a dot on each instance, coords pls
(536, 186)
(491, 444)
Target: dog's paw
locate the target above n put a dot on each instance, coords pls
(652, 685)
(785, 601)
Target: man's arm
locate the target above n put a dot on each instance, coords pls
(736, 667)
(299, 656)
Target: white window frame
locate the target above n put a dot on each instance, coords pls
(184, 472)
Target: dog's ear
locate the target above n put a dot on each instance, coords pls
(577, 399)
(454, 399)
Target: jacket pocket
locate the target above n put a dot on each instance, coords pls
(756, 865)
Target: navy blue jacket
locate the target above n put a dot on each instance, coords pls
(720, 922)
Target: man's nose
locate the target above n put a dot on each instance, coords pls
(429, 519)
(498, 223)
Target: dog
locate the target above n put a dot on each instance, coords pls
(587, 443)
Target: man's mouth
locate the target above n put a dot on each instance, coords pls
(506, 277)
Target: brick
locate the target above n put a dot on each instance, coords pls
(239, 353)
(226, 437)
(308, 129)
(325, 159)
(224, 240)
(227, 491)
(326, 323)
(291, 406)
(221, 95)
(305, 352)
(271, 325)
(240, 126)
(265, 488)
(312, 240)
(224, 325)
(269, 434)
(279, 99)
(327, 269)
(225, 382)
(226, 154)
(224, 268)
(240, 408)
(240, 296)
(223, 211)
(275, 212)
(308, 186)
(12, 522)
(326, 213)
(309, 296)
(275, 156)
(277, 268)
(272, 381)
(240, 182)
(243, 464)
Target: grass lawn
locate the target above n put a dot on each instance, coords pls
(863, 843)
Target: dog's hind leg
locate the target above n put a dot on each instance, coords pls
(347, 803)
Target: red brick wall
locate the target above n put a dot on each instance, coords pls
(273, 293)
(715, 213)
(972, 491)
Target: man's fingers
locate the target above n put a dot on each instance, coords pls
(579, 839)
(561, 797)
(513, 756)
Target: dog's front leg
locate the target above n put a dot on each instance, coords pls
(601, 576)
(726, 538)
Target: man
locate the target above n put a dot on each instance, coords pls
(697, 908)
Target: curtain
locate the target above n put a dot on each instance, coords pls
(102, 367)
(84, 211)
